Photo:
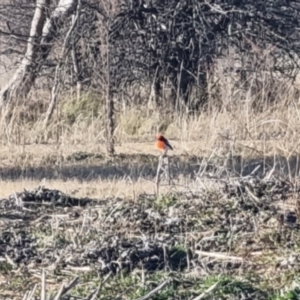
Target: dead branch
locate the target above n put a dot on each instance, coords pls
(218, 255)
(64, 289)
(160, 166)
(43, 285)
(209, 290)
(156, 290)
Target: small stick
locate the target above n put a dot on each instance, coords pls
(26, 295)
(9, 260)
(157, 289)
(205, 293)
(43, 288)
(95, 293)
(169, 178)
(30, 296)
(65, 289)
(157, 181)
(219, 255)
(165, 166)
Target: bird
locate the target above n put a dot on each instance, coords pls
(162, 144)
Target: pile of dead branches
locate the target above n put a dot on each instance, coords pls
(218, 229)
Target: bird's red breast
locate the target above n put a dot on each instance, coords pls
(162, 143)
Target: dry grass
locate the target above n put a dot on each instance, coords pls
(218, 135)
(269, 132)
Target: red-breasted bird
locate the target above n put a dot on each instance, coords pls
(162, 144)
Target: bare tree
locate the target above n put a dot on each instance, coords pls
(180, 40)
(70, 51)
(21, 81)
(40, 42)
(65, 48)
(105, 75)
(148, 41)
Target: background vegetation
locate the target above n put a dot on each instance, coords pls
(133, 68)
(86, 85)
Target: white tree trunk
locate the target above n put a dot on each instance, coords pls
(58, 67)
(21, 81)
(39, 45)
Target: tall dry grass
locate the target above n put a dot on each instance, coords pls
(259, 117)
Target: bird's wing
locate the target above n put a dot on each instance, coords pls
(168, 144)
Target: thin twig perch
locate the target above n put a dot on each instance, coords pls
(159, 165)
